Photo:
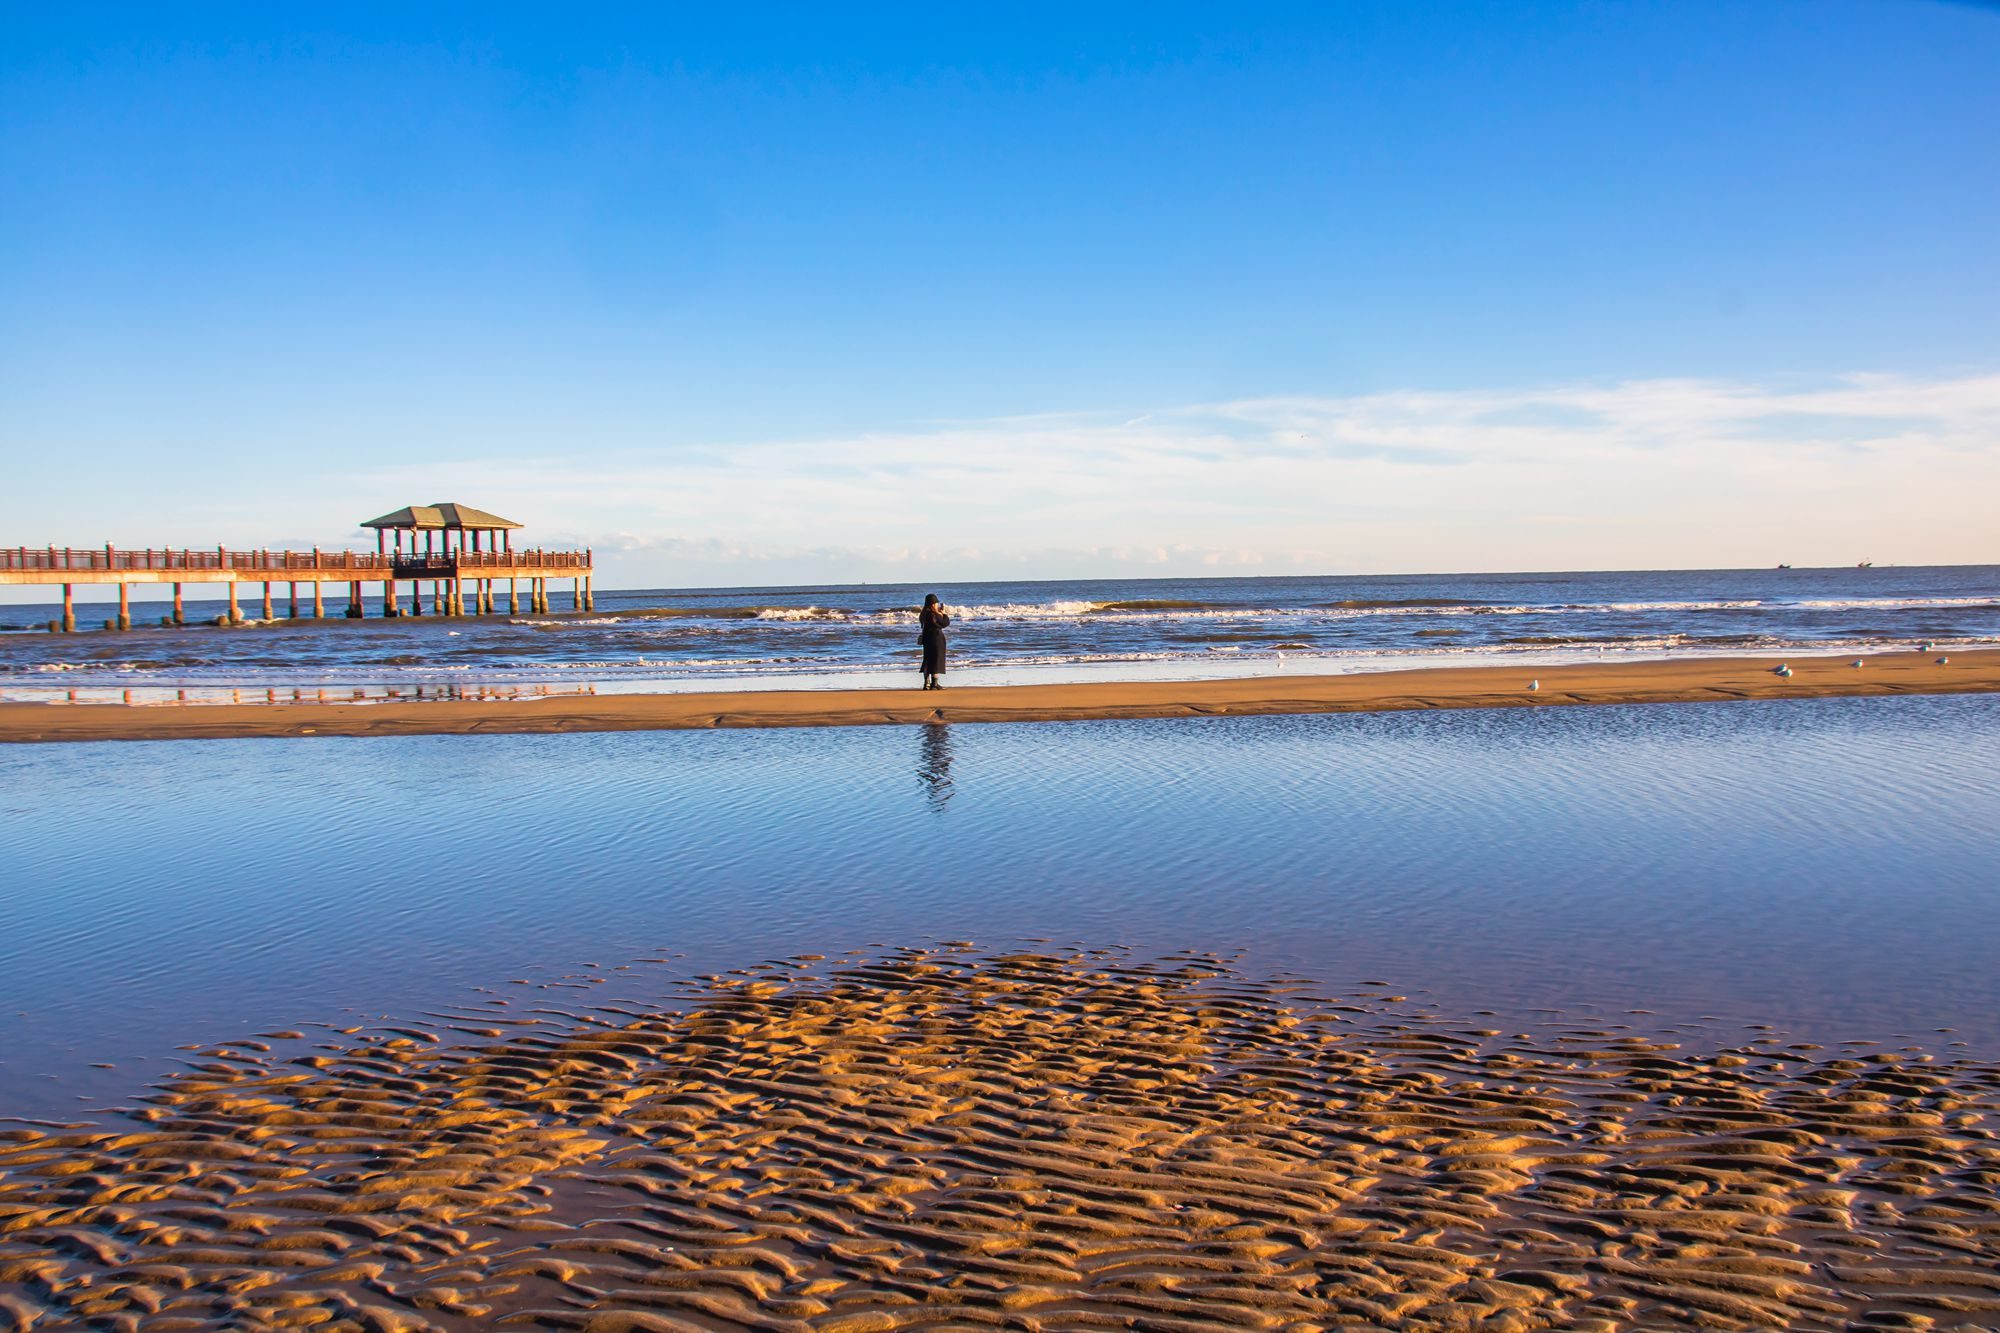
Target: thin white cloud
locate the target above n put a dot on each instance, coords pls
(1668, 472)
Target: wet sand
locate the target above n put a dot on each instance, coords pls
(1658, 681)
(1052, 1140)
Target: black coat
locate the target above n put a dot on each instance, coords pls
(931, 636)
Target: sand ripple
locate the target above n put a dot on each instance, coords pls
(951, 1139)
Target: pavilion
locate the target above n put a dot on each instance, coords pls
(440, 521)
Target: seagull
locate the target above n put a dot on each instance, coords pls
(1534, 685)
(1857, 661)
(1782, 670)
(1944, 661)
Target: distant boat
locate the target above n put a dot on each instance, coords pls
(1784, 566)
(1866, 564)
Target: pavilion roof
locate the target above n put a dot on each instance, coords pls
(450, 516)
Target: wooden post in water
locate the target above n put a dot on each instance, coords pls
(589, 597)
(69, 609)
(513, 597)
(180, 612)
(235, 615)
(267, 601)
(124, 606)
(354, 609)
(389, 607)
(295, 599)
(319, 600)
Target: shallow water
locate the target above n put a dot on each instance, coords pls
(1828, 866)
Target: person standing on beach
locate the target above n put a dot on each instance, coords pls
(931, 621)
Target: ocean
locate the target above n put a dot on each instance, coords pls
(811, 637)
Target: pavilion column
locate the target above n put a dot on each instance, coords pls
(124, 606)
(180, 611)
(319, 600)
(235, 612)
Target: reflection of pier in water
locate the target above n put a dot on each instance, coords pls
(461, 550)
(934, 764)
(162, 695)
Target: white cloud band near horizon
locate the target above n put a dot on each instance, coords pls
(1667, 473)
(1660, 473)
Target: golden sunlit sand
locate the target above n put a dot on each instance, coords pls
(1653, 681)
(1060, 1140)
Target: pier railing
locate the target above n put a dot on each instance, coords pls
(361, 564)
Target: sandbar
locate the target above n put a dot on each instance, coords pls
(1494, 686)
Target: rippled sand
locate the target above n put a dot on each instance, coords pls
(951, 1139)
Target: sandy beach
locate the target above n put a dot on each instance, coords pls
(1651, 681)
(1060, 1139)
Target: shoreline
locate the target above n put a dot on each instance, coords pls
(1650, 681)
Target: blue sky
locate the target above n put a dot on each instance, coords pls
(819, 292)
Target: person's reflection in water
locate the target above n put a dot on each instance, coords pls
(934, 764)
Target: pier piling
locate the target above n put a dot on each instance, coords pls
(235, 613)
(124, 606)
(180, 611)
(319, 602)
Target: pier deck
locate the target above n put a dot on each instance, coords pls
(449, 574)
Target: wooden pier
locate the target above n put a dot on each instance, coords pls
(449, 560)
